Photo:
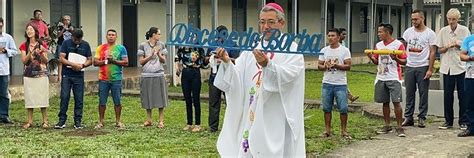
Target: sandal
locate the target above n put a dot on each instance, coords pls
(196, 128)
(99, 126)
(27, 125)
(147, 124)
(347, 136)
(120, 125)
(45, 125)
(161, 125)
(325, 135)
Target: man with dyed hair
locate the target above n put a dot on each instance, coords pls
(265, 96)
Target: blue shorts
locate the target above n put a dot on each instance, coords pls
(105, 87)
(330, 92)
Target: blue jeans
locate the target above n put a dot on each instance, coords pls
(4, 100)
(191, 86)
(77, 86)
(330, 92)
(110, 86)
(469, 115)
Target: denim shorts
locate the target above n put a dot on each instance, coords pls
(330, 92)
(105, 87)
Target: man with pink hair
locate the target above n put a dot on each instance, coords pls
(265, 97)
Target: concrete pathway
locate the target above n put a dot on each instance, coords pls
(420, 142)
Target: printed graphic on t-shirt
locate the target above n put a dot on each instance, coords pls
(385, 63)
(415, 43)
(331, 61)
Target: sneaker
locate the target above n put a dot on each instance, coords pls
(445, 126)
(78, 126)
(187, 128)
(466, 133)
(196, 128)
(421, 123)
(384, 130)
(400, 132)
(60, 125)
(463, 126)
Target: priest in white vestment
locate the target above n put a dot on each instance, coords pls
(265, 97)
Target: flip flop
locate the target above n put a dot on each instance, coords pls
(325, 135)
(45, 125)
(120, 125)
(161, 125)
(347, 136)
(147, 124)
(27, 125)
(99, 126)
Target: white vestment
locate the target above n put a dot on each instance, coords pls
(273, 121)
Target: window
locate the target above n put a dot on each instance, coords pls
(239, 15)
(363, 19)
(64, 7)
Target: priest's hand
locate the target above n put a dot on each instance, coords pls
(261, 58)
(222, 54)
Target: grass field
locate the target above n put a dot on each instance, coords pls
(172, 140)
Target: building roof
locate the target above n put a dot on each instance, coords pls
(452, 1)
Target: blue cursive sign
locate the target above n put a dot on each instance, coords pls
(248, 40)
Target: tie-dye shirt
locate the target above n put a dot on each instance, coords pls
(110, 72)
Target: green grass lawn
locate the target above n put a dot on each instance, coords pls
(140, 141)
(360, 83)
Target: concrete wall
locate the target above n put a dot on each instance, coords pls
(252, 14)
(147, 17)
(89, 16)
(206, 14)
(114, 17)
(340, 19)
(89, 19)
(359, 40)
(225, 14)
(22, 13)
(310, 16)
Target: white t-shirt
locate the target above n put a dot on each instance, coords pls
(335, 76)
(389, 69)
(422, 40)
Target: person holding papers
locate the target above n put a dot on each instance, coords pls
(75, 56)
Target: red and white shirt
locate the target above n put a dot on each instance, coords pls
(389, 69)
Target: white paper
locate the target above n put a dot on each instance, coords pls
(77, 59)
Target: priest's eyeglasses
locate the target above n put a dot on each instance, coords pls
(268, 22)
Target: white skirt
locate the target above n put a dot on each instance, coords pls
(36, 92)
